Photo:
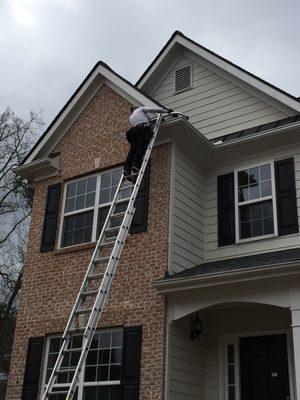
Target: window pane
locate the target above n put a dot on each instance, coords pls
(102, 214)
(104, 356)
(81, 187)
(256, 219)
(105, 339)
(266, 189)
(243, 193)
(116, 355)
(79, 202)
(103, 373)
(70, 204)
(230, 353)
(265, 172)
(106, 180)
(92, 357)
(102, 393)
(116, 176)
(91, 184)
(231, 393)
(71, 189)
(77, 228)
(230, 374)
(253, 175)
(90, 200)
(117, 338)
(90, 374)
(254, 192)
(104, 196)
(115, 372)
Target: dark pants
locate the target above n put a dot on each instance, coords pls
(138, 137)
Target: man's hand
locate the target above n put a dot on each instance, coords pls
(169, 110)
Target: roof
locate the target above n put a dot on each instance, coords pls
(248, 77)
(239, 263)
(254, 130)
(99, 63)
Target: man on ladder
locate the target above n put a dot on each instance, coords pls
(138, 137)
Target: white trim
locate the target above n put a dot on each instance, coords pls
(227, 339)
(238, 204)
(226, 66)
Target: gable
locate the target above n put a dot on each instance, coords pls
(216, 104)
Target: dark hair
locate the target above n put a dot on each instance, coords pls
(132, 108)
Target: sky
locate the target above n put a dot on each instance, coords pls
(49, 46)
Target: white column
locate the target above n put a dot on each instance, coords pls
(295, 313)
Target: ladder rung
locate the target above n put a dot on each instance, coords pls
(89, 293)
(112, 229)
(122, 200)
(96, 276)
(101, 259)
(76, 330)
(118, 215)
(85, 311)
(64, 371)
(73, 350)
(57, 392)
(107, 244)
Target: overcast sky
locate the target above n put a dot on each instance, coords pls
(49, 46)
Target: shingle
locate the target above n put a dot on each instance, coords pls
(239, 263)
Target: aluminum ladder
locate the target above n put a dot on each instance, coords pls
(106, 255)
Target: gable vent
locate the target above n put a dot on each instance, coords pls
(183, 78)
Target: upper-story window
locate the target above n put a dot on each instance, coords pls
(183, 78)
(255, 202)
(86, 204)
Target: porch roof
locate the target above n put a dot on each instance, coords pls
(238, 264)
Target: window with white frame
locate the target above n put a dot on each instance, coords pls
(255, 202)
(102, 369)
(86, 204)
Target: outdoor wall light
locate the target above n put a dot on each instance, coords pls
(196, 327)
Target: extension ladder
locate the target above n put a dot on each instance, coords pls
(106, 254)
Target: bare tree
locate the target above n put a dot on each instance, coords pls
(16, 138)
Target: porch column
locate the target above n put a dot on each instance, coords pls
(295, 313)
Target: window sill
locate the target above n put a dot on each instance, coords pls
(73, 249)
(253, 239)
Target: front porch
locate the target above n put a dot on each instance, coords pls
(210, 367)
(249, 347)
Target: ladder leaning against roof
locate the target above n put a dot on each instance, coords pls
(86, 312)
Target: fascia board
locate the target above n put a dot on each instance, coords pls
(222, 278)
(100, 71)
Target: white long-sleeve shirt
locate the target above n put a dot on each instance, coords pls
(139, 115)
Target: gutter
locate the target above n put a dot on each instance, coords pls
(221, 278)
(275, 131)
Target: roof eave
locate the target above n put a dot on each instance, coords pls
(171, 285)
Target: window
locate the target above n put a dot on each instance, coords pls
(255, 202)
(183, 79)
(86, 204)
(102, 370)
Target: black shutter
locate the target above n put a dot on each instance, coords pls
(139, 223)
(32, 368)
(226, 215)
(50, 218)
(130, 381)
(286, 197)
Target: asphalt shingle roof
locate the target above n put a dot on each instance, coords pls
(239, 263)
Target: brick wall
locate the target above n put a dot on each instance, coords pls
(52, 279)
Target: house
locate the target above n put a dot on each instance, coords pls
(206, 300)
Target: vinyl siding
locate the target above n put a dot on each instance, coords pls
(215, 105)
(260, 245)
(188, 212)
(186, 382)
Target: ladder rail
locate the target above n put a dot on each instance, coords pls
(107, 278)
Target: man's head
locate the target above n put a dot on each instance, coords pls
(132, 108)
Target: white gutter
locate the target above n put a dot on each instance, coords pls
(258, 135)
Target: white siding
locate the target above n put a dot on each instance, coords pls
(257, 246)
(188, 211)
(185, 365)
(215, 105)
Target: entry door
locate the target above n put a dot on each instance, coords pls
(264, 368)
